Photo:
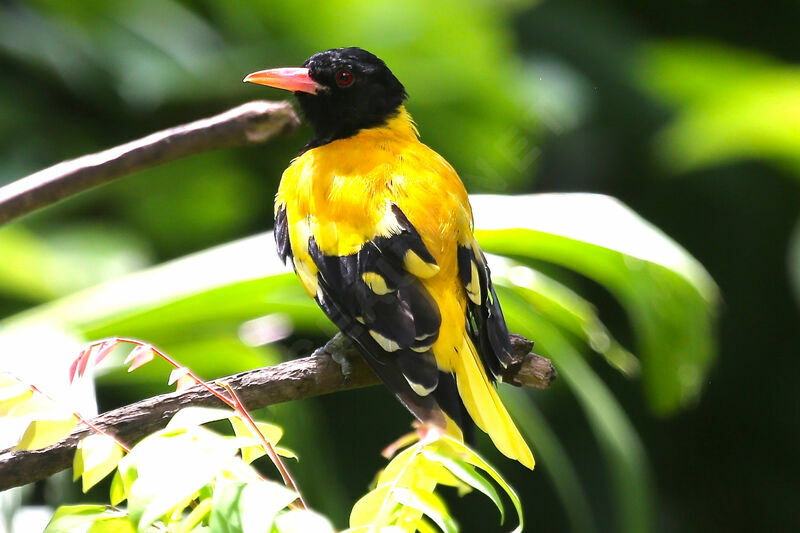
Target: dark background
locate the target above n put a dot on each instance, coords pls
(78, 78)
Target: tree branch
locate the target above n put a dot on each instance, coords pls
(307, 377)
(253, 122)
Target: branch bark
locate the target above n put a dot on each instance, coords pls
(253, 122)
(307, 377)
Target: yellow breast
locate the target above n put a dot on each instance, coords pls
(341, 190)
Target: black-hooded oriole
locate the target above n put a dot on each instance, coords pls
(379, 230)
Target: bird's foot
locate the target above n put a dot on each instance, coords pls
(340, 349)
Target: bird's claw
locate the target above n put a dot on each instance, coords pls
(338, 348)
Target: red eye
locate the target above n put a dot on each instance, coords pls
(344, 78)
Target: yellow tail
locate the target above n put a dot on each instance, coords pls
(486, 408)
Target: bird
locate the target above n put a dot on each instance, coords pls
(379, 230)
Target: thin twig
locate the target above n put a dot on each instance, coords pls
(253, 122)
(286, 475)
(307, 377)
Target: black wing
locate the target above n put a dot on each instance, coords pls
(375, 300)
(485, 322)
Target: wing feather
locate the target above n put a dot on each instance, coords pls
(486, 324)
(385, 309)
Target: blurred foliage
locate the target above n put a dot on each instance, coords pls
(731, 103)
(184, 305)
(520, 96)
(185, 478)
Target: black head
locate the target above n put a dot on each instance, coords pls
(340, 91)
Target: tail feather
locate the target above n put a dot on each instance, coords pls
(485, 407)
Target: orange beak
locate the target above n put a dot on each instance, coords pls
(291, 79)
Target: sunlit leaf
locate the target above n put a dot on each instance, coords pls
(302, 521)
(185, 382)
(371, 505)
(731, 104)
(13, 397)
(102, 351)
(621, 446)
(177, 374)
(42, 433)
(117, 493)
(429, 504)
(468, 475)
(71, 518)
(139, 356)
(75, 368)
(199, 513)
(450, 446)
(564, 307)
(285, 452)
(195, 415)
(248, 507)
(112, 525)
(171, 466)
(250, 453)
(96, 457)
(670, 298)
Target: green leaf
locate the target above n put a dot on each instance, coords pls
(199, 513)
(73, 258)
(670, 299)
(194, 416)
(731, 104)
(12, 395)
(371, 505)
(44, 432)
(429, 504)
(171, 466)
(625, 456)
(252, 452)
(96, 457)
(468, 475)
(69, 518)
(112, 525)
(565, 308)
(451, 446)
(248, 507)
(302, 521)
(554, 459)
(117, 492)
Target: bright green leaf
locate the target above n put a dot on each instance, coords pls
(171, 467)
(285, 452)
(468, 475)
(731, 104)
(624, 451)
(71, 518)
(429, 504)
(302, 521)
(117, 493)
(96, 457)
(199, 513)
(45, 432)
(449, 446)
(14, 396)
(670, 298)
(562, 306)
(193, 416)
(370, 505)
(112, 525)
(248, 507)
